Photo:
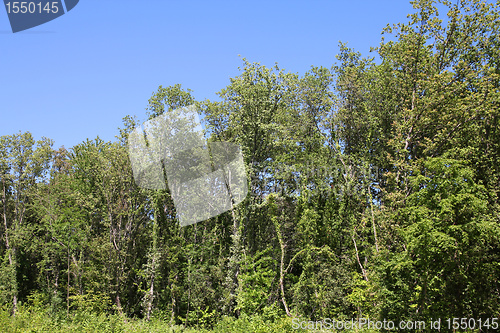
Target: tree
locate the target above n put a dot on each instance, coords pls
(23, 164)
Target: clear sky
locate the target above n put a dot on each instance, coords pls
(77, 76)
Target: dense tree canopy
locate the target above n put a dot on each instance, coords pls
(374, 191)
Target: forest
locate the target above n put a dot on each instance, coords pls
(373, 192)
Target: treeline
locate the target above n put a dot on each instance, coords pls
(373, 192)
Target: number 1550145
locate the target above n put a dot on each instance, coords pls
(24, 7)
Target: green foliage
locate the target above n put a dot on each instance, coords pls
(255, 282)
(374, 191)
(254, 324)
(91, 302)
(445, 224)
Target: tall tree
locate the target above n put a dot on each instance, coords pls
(24, 162)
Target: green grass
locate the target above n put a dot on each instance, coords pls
(41, 320)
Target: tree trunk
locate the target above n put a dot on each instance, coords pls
(282, 264)
(11, 251)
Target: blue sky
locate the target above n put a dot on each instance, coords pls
(77, 76)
